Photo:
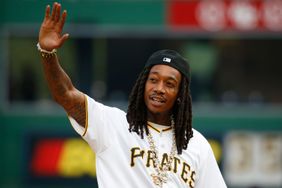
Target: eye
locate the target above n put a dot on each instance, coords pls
(152, 80)
(170, 84)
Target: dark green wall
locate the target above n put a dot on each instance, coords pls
(113, 12)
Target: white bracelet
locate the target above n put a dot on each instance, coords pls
(44, 53)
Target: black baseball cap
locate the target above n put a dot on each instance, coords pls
(170, 58)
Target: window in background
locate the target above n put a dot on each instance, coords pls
(25, 73)
(223, 70)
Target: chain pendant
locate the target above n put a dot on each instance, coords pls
(157, 180)
(161, 176)
(164, 177)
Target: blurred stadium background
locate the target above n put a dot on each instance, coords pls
(234, 48)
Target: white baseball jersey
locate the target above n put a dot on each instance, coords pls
(124, 160)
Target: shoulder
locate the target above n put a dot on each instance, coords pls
(94, 105)
(198, 137)
(199, 142)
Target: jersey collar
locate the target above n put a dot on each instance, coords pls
(157, 127)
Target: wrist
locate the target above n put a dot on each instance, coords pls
(46, 54)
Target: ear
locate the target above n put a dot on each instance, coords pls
(178, 100)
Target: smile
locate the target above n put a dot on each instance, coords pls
(157, 99)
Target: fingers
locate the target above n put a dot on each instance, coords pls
(63, 19)
(53, 14)
(47, 12)
(58, 12)
(64, 38)
(56, 15)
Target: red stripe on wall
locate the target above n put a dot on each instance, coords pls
(225, 15)
(182, 13)
(46, 157)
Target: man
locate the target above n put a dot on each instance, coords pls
(153, 144)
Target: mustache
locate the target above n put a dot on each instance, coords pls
(158, 95)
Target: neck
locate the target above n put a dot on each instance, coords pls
(159, 119)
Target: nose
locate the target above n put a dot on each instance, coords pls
(160, 88)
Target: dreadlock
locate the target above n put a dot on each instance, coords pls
(182, 111)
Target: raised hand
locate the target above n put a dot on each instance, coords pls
(50, 35)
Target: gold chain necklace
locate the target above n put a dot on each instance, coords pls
(161, 176)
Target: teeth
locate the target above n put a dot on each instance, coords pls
(157, 100)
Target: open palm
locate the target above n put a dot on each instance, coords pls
(50, 35)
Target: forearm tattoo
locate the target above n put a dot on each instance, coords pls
(78, 112)
(63, 91)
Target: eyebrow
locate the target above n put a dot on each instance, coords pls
(173, 77)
